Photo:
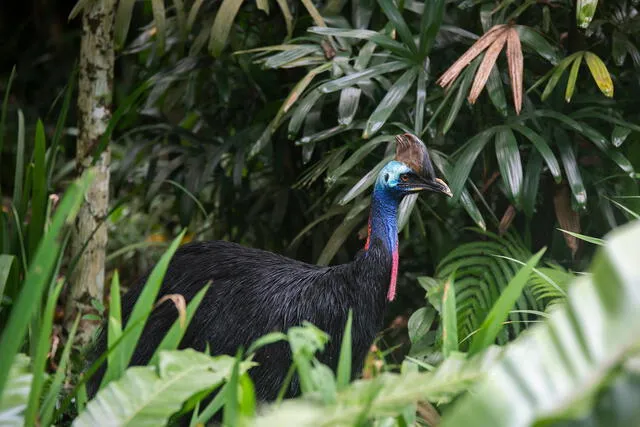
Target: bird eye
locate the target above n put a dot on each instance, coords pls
(386, 177)
(404, 178)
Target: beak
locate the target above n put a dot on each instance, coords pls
(435, 185)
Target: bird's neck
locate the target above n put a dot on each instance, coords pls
(383, 225)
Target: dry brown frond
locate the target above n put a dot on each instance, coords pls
(489, 60)
(515, 61)
(567, 218)
(483, 42)
(507, 219)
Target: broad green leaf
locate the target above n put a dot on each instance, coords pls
(381, 40)
(573, 76)
(599, 72)
(389, 103)
(360, 154)
(364, 182)
(465, 161)
(396, 19)
(430, 25)
(571, 167)
(38, 191)
(576, 352)
(222, 25)
(463, 89)
(496, 91)
(37, 276)
(348, 105)
(500, 311)
(449, 319)
(343, 374)
(543, 149)
(13, 400)
(149, 395)
(585, 9)
(509, 162)
(532, 175)
(619, 135)
(420, 323)
(124, 14)
(361, 76)
(6, 262)
(534, 40)
(159, 21)
(556, 73)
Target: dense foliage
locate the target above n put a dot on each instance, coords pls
(265, 123)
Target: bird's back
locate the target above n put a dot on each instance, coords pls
(254, 292)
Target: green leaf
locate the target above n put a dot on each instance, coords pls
(341, 233)
(500, 311)
(509, 163)
(619, 135)
(53, 391)
(5, 268)
(357, 157)
(222, 25)
(40, 358)
(543, 149)
(283, 58)
(496, 91)
(571, 167)
(421, 101)
(149, 395)
(464, 162)
(5, 103)
(449, 319)
(361, 76)
(599, 72)
(420, 324)
(532, 175)
(534, 40)
(38, 275)
(13, 400)
(343, 374)
(463, 90)
(348, 105)
(123, 21)
(585, 9)
(389, 103)
(576, 352)
(584, 238)
(365, 182)
(573, 76)
(381, 40)
(286, 14)
(430, 25)
(38, 191)
(159, 18)
(396, 19)
(557, 72)
(301, 111)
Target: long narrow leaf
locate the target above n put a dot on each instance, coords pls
(449, 318)
(343, 374)
(509, 163)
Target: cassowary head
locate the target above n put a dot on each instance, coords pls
(411, 171)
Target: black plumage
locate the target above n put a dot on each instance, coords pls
(254, 292)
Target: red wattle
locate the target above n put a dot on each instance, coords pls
(394, 275)
(366, 245)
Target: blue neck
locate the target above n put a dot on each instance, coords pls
(383, 220)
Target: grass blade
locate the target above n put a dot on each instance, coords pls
(40, 358)
(39, 191)
(6, 261)
(38, 275)
(584, 238)
(177, 331)
(449, 318)
(493, 323)
(389, 103)
(141, 310)
(343, 374)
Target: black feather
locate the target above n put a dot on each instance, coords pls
(255, 292)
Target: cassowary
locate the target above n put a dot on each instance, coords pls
(254, 292)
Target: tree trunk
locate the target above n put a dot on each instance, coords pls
(94, 112)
